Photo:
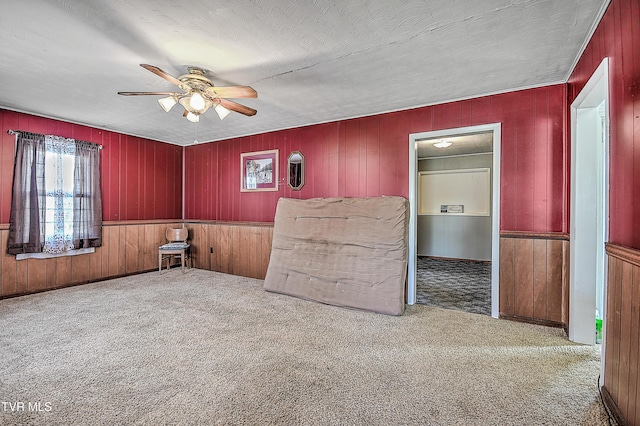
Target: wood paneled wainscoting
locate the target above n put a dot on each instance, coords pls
(237, 248)
(127, 248)
(622, 334)
(534, 277)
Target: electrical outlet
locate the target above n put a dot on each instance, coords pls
(211, 250)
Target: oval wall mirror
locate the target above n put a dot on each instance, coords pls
(295, 164)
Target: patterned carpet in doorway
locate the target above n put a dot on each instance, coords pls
(463, 285)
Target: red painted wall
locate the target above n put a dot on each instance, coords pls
(618, 37)
(360, 157)
(141, 179)
(369, 157)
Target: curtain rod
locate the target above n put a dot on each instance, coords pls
(13, 132)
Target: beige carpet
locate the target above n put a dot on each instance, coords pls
(209, 348)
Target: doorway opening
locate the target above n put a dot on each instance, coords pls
(589, 206)
(493, 206)
(454, 222)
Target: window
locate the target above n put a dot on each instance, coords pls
(59, 164)
(56, 205)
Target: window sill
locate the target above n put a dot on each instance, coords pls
(52, 255)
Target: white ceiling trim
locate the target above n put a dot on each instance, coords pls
(592, 30)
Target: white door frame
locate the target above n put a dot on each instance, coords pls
(495, 204)
(588, 233)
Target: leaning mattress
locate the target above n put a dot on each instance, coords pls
(349, 252)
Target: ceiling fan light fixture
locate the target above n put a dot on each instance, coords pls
(193, 117)
(199, 95)
(221, 111)
(167, 103)
(197, 102)
(442, 144)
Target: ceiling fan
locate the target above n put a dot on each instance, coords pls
(199, 94)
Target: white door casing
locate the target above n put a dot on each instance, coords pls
(589, 204)
(495, 128)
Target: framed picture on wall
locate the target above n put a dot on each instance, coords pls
(259, 171)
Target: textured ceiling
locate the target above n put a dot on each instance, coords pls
(309, 61)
